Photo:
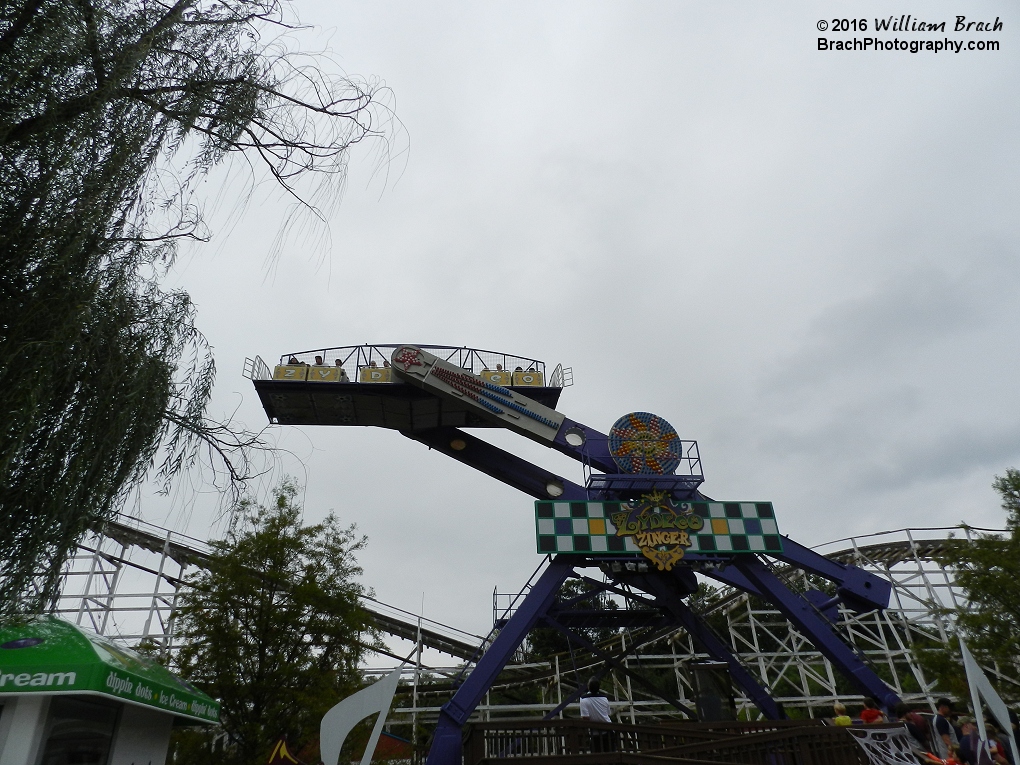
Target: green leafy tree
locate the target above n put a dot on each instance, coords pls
(274, 628)
(111, 112)
(987, 570)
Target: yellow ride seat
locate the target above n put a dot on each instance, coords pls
(291, 372)
(497, 376)
(323, 374)
(529, 379)
(375, 375)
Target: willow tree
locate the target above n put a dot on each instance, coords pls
(110, 111)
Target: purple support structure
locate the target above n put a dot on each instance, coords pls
(499, 464)
(859, 589)
(447, 742)
(730, 576)
(593, 452)
(609, 661)
(667, 597)
(856, 588)
(814, 627)
(668, 593)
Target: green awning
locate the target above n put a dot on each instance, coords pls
(50, 655)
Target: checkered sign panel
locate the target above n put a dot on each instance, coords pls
(726, 527)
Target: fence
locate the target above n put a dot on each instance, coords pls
(559, 742)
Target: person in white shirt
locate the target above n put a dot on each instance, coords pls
(595, 708)
(594, 704)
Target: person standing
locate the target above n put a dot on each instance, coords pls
(916, 726)
(595, 708)
(595, 704)
(947, 738)
(973, 750)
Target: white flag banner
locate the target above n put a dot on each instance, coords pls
(981, 689)
(341, 719)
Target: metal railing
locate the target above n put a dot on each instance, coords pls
(562, 377)
(557, 742)
(256, 369)
(529, 739)
(353, 358)
(126, 581)
(814, 745)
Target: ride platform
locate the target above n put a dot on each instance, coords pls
(354, 385)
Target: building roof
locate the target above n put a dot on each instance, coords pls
(50, 655)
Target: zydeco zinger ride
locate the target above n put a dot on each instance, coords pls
(641, 520)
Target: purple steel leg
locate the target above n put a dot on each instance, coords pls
(446, 742)
(856, 588)
(859, 590)
(667, 597)
(816, 629)
(608, 661)
(732, 577)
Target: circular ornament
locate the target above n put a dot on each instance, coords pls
(641, 442)
(27, 642)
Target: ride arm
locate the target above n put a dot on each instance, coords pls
(497, 463)
(594, 452)
(804, 615)
(856, 588)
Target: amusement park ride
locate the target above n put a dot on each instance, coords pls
(640, 521)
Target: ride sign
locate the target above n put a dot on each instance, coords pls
(656, 527)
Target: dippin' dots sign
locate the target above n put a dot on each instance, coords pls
(117, 685)
(172, 702)
(123, 686)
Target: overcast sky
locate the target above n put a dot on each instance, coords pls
(807, 261)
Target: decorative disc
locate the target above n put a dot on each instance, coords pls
(645, 443)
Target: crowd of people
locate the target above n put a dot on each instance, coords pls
(319, 362)
(951, 737)
(946, 736)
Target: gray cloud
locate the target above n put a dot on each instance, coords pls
(805, 261)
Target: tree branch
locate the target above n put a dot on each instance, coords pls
(19, 25)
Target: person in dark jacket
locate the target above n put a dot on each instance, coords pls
(916, 726)
(974, 751)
